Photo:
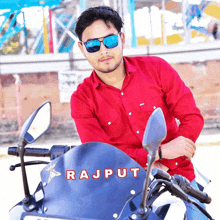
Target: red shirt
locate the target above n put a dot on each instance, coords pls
(103, 113)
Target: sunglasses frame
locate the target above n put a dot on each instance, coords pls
(101, 41)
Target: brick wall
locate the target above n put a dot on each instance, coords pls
(204, 81)
(202, 78)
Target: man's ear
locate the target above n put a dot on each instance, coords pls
(81, 48)
(122, 35)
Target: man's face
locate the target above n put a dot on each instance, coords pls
(105, 60)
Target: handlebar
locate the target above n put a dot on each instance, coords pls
(184, 184)
(187, 188)
(54, 152)
(36, 152)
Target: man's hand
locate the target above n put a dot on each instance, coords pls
(180, 146)
(159, 165)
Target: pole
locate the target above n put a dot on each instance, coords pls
(2, 98)
(83, 4)
(151, 27)
(55, 37)
(18, 100)
(51, 31)
(46, 44)
(131, 8)
(25, 35)
(187, 31)
(163, 27)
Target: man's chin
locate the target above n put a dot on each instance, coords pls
(108, 69)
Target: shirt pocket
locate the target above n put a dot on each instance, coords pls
(150, 105)
(111, 123)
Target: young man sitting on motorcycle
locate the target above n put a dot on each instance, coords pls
(114, 104)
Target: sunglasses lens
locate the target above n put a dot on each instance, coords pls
(111, 41)
(92, 46)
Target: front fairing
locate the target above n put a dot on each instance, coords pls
(101, 181)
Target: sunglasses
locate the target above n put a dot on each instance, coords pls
(94, 45)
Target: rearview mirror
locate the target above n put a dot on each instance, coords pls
(154, 134)
(155, 131)
(37, 124)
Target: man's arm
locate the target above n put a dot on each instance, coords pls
(181, 103)
(87, 124)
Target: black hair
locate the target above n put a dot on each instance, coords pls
(90, 15)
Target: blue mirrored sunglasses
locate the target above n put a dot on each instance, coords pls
(109, 42)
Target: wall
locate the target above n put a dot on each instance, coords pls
(203, 80)
(35, 89)
(198, 66)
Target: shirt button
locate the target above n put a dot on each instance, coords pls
(122, 93)
(176, 163)
(129, 113)
(138, 132)
(109, 123)
(154, 107)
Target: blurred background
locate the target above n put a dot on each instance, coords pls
(40, 60)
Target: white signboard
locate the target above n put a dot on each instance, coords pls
(68, 82)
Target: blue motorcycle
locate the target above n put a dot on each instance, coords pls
(97, 180)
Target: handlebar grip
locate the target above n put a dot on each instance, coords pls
(184, 184)
(36, 152)
(160, 174)
(201, 196)
(13, 151)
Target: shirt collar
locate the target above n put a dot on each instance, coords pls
(96, 81)
(130, 68)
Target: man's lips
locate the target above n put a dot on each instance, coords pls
(105, 59)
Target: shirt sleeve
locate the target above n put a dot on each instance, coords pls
(87, 124)
(180, 102)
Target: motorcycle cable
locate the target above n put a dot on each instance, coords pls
(12, 167)
(152, 199)
(162, 191)
(127, 203)
(154, 188)
(201, 209)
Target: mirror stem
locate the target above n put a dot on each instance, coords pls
(23, 170)
(24, 176)
(150, 158)
(28, 202)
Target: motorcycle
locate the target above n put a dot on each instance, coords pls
(98, 181)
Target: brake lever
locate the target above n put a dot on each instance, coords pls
(12, 167)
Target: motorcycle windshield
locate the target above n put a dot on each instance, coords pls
(93, 180)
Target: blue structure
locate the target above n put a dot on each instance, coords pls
(131, 9)
(9, 26)
(83, 5)
(14, 5)
(195, 11)
(65, 24)
(67, 41)
(9, 18)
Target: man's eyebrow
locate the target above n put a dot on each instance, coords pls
(100, 37)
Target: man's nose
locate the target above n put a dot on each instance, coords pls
(103, 48)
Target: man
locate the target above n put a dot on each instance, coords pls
(114, 104)
(214, 29)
